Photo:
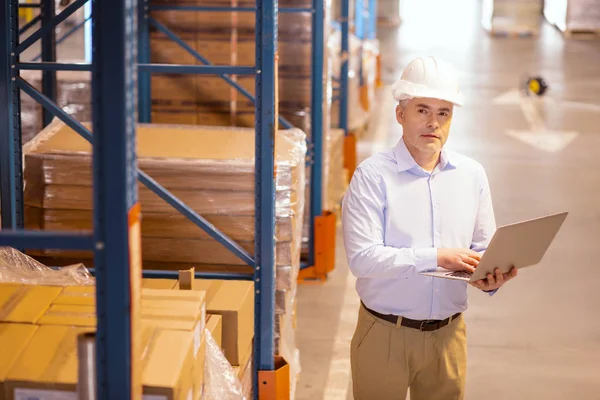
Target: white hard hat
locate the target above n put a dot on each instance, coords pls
(428, 77)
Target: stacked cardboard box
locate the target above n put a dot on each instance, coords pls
(210, 169)
(229, 39)
(39, 326)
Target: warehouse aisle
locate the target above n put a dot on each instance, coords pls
(539, 337)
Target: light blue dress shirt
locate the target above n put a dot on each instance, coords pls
(396, 215)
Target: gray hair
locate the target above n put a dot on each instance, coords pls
(403, 103)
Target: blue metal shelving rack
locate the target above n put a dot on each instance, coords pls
(114, 70)
(315, 145)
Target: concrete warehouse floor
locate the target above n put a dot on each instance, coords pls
(539, 337)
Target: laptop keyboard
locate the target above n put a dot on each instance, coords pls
(459, 274)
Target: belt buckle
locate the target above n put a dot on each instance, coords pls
(428, 322)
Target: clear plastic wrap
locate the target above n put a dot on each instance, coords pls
(16, 267)
(220, 379)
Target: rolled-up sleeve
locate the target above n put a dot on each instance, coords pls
(363, 221)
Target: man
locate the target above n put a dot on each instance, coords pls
(407, 211)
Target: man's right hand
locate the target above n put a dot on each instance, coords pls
(458, 259)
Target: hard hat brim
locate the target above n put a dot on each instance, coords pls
(402, 90)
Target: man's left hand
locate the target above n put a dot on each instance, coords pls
(494, 282)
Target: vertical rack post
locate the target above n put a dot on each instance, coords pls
(116, 206)
(87, 31)
(11, 179)
(48, 55)
(316, 109)
(145, 94)
(344, 67)
(265, 125)
(372, 27)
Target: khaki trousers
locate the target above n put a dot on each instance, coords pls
(388, 359)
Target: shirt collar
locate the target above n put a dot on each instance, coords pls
(405, 161)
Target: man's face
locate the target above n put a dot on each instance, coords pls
(425, 123)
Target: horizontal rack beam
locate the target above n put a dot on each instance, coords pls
(223, 9)
(40, 240)
(200, 275)
(29, 5)
(197, 69)
(53, 66)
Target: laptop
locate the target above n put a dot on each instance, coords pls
(521, 245)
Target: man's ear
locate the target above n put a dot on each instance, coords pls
(399, 114)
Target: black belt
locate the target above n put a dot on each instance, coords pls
(425, 325)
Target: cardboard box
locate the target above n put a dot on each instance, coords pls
(25, 303)
(151, 298)
(235, 303)
(151, 283)
(13, 339)
(168, 363)
(209, 286)
(175, 321)
(214, 324)
(48, 364)
(77, 295)
(69, 315)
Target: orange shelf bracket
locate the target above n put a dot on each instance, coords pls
(275, 385)
(325, 226)
(378, 81)
(350, 154)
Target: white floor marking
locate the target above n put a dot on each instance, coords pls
(538, 136)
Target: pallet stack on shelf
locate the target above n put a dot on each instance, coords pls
(195, 335)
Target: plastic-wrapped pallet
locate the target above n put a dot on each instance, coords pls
(210, 169)
(512, 16)
(229, 39)
(573, 15)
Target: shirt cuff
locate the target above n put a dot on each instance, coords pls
(491, 292)
(425, 260)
